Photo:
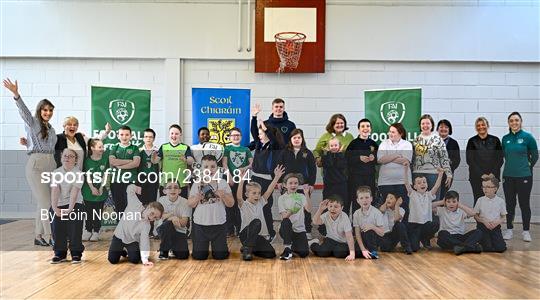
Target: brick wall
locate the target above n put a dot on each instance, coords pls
(457, 91)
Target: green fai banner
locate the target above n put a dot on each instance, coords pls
(120, 107)
(386, 107)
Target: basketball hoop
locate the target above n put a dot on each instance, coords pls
(289, 48)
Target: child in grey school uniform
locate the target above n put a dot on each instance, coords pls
(66, 198)
(339, 240)
(490, 213)
(172, 227)
(422, 227)
(452, 215)
(291, 207)
(254, 234)
(209, 196)
(394, 229)
(368, 224)
(130, 237)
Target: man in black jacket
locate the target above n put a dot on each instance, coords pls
(278, 119)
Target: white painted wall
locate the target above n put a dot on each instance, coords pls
(368, 30)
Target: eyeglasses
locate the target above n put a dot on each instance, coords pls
(235, 135)
(70, 156)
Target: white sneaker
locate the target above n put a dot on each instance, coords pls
(86, 235)
(508, 234)
(527, 236)
(313, 241)
(309, 236)
(94, 237)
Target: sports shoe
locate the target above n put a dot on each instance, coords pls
(508, 234)
(163, 255)
(246, 253)
(458, 250)
(427, 244)
(477, 249)
(86, 236)
(57, 260)
(41, 242)
(287, 254)
(94, 237)
(527, 236)
(271, 238)
(75, 260)
(374, 254)
(313, 241)
(408, 250)
(309, 236)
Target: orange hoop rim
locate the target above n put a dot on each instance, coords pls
(296, 36)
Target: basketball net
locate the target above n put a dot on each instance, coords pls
(289, 49)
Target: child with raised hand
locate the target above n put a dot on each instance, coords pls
(395, 229)
(368, 224)
(209, 195)
(172, 227)
(421, 225)
(253, 231)
(339, 241)
(291, 207)
(65, 199)
(94, 191)
(490, 211)
(236, 160)
(452, 214)
(130, 237)
(297, 158)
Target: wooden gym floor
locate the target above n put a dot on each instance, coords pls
(26, 273)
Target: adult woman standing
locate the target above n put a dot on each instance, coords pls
(430, 153)
(72, 139)
(484, 156)
(520, 155)
(394, 153)
(336, 127)
(444, 128)
(41, 140)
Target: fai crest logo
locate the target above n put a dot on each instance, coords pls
(392, 112)
(121, 111)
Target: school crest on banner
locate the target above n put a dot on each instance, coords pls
(219, 130)
(220, 110)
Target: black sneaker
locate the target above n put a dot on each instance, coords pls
(458, 250)
(246, 254)
(57, 260)
(271, 238)
(76, 260)
(163, 255)
(427, 244)
(408, 250)
(287, 254)
(123, 253)
(41, 242)
(477, 249)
